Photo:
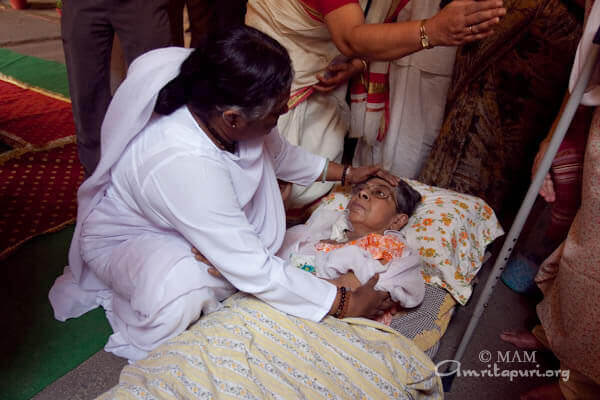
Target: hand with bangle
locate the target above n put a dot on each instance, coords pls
(347, 174)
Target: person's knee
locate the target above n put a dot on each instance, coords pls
(172, 319)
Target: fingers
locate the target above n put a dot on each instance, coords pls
(214, 272)
(325, 85)
(493, 7)
(547, 189)
(483, 27)
(387, 303)
(388, 177)
(337, 67)
(373, 281)
(199, 257)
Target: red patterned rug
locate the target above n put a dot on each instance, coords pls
(39, 169)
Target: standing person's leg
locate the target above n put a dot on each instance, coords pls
(142, 26)
(200, 13)
(176, 20)
(87, 40)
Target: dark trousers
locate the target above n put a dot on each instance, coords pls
(88, 28)
(205, 16)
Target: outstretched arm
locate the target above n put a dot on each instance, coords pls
(449, 27)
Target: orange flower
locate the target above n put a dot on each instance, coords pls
(429, 252)
(427, 221)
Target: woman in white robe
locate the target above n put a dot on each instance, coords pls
(190, 157)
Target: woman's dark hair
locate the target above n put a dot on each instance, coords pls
(239, 68)
(407, 198)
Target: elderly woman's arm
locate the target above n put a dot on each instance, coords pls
(450, 27)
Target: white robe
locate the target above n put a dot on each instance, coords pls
(162, 187)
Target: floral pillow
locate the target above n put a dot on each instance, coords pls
(449, 230)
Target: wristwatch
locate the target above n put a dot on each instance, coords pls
(425, 43)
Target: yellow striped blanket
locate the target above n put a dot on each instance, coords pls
(249, 350)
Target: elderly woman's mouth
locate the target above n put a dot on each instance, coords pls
(355, 206)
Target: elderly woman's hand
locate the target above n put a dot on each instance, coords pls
(463, 21)
(361, 174)
(211, 269)
(285, 188)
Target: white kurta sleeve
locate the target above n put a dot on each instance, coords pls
(293, 163)
(196, 197)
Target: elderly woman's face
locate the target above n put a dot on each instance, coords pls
(372, 206)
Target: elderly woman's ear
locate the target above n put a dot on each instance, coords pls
(398, 221)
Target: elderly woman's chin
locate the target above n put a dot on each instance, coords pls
(355, 213)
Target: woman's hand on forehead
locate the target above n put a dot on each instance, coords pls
(362, 174)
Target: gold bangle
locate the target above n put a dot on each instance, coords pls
(424, 38)
(365, 65)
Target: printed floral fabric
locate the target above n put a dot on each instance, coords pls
(449, 230)
(381, 247)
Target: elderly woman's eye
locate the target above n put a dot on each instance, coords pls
(380, 193)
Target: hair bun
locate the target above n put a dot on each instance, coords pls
(172, 96)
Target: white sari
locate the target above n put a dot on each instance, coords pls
(317, 122)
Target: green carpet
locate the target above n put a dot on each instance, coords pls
(36, 349)
(48, 75)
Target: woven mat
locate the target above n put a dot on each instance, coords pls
(40, 172)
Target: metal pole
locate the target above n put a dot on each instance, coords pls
(524, 210)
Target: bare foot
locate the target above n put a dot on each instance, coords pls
(523, 340)
(544, 392)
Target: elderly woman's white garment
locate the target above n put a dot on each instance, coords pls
(162, 187)
(401, 276)
(419, 84)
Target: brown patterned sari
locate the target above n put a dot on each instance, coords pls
(505, 93)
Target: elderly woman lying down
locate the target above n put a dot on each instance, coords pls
(333, 243)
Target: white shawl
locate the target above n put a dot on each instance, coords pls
(75, 292)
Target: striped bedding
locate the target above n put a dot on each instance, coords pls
(249, 350)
